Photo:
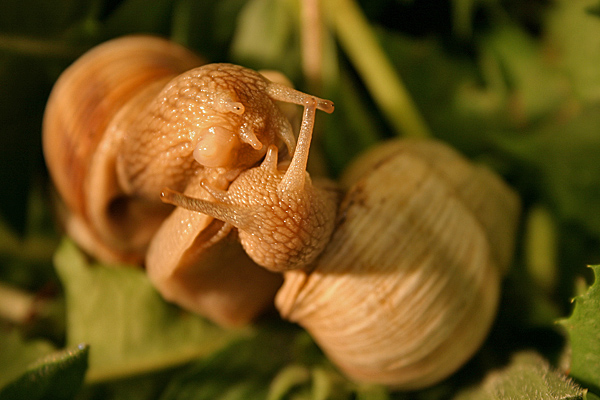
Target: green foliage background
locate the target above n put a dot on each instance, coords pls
(514, 84)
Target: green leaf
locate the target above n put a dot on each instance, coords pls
(447, 89)
(241, 371)
(575, 37)
(560, 160)
(528, 376)
(139, 387)
(583, 327)
(594, 9)
(536, 86)
(129, 327)
(266, 37)
(16, 355)
(278, 362)
(213, 41)
(55, 377)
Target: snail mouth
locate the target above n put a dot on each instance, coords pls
(217, 147)
(227, 146)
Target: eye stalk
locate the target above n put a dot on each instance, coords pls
(231, 106)
(224, 102)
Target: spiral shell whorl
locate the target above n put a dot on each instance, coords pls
(408, 287)
(95, 88)
(90, 102)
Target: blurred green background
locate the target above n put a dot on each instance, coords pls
(514, 84)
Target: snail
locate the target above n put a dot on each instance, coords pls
(137, 114)
(407, 289)
(195, 170)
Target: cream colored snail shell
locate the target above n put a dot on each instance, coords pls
(398, 285)
(407, 289)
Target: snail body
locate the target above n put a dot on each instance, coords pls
(398, 284)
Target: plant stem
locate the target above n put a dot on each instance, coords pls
(359, 41)
(312, 44)
(541, 247)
